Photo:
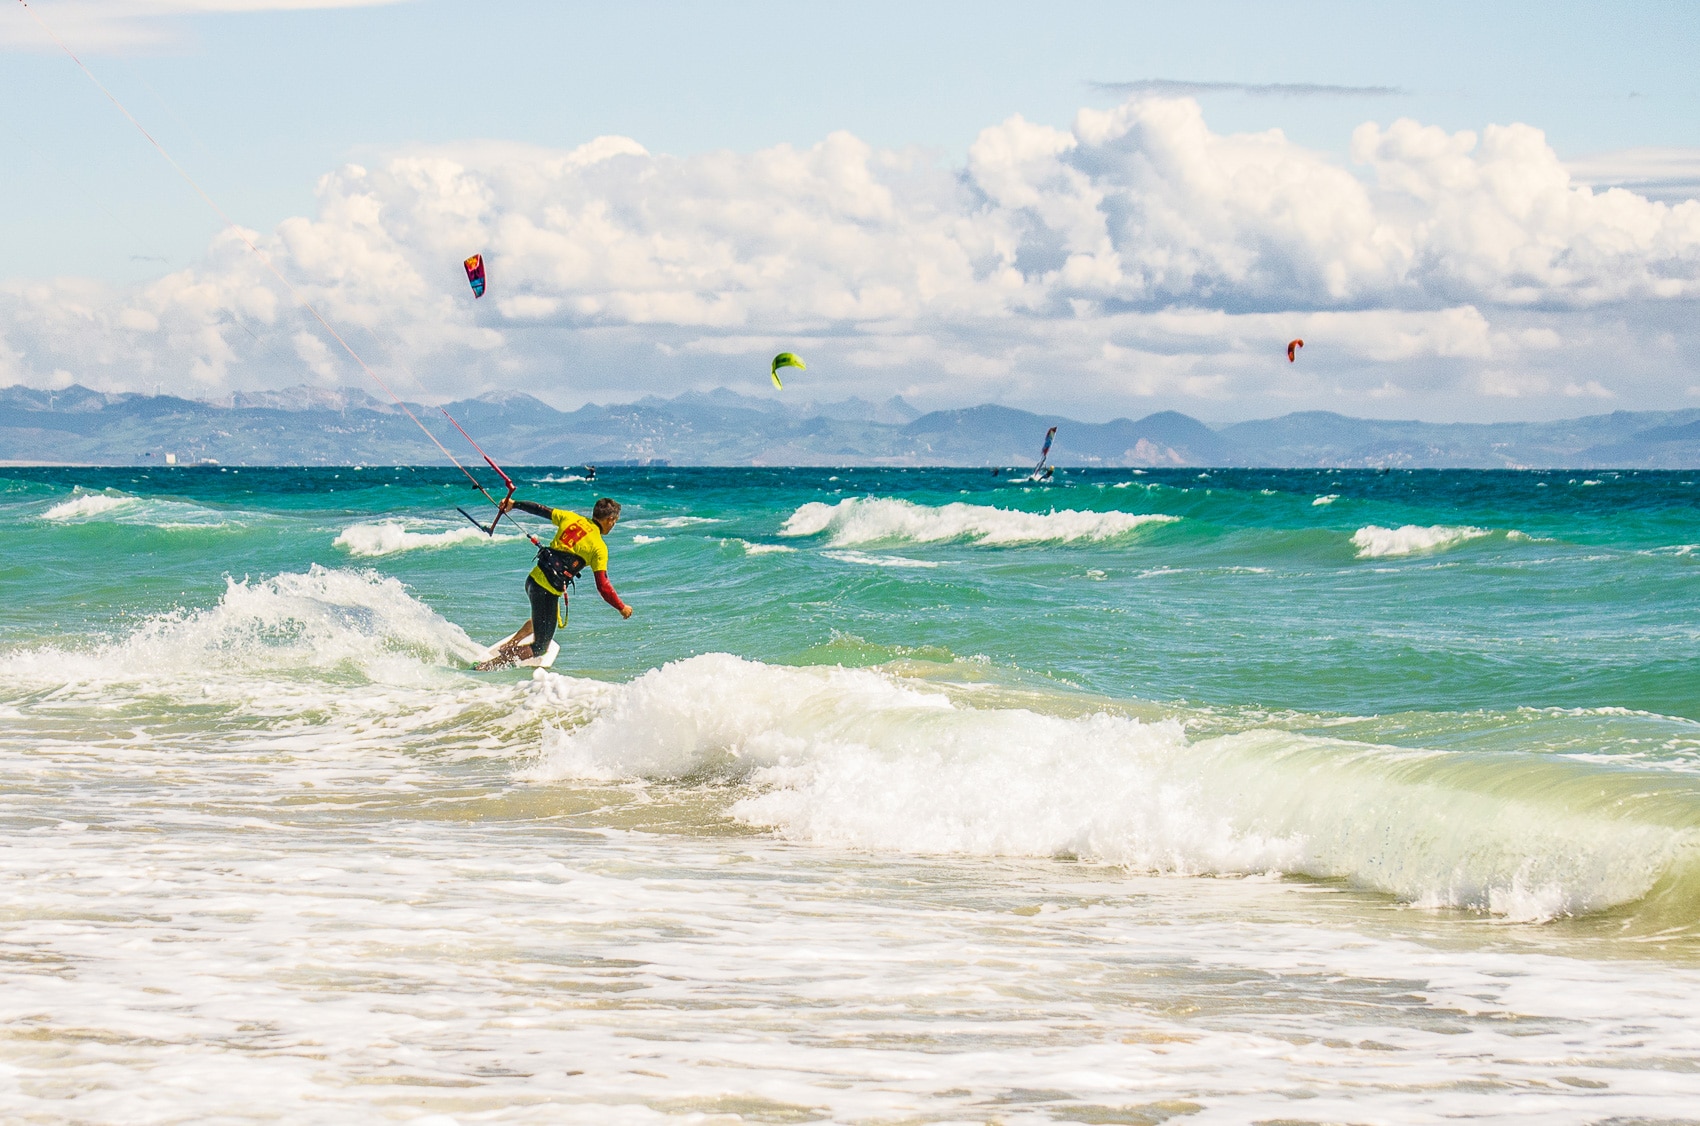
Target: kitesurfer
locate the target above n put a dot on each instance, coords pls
(578, 544)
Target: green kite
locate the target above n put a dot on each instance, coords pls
(785, 360)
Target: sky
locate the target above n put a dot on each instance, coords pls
(1469, 212)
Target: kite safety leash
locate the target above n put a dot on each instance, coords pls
(278, 274)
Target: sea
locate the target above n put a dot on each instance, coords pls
(905, 796)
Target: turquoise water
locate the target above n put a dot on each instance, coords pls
(1125, 750)
(1580, 594)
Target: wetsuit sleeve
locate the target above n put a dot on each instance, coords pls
(535, 509)
(606, 590)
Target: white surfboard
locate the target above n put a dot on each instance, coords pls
(541, 661)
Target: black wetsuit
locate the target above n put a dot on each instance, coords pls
(546, 606)
(545, 612)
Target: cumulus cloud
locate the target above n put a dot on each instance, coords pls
(1135, 256)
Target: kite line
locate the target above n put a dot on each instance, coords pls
(278, 274)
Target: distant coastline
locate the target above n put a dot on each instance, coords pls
(314, 426)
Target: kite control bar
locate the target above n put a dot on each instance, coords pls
(490, 529)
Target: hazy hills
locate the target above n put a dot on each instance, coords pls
(310, 426)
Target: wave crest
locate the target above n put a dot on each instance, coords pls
(865, 520)
(863, 759)
(322, 622)
(118, 508)
(1376, 542)
(389, 538)
(86, 506)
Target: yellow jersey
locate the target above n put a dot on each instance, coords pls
(577, 535)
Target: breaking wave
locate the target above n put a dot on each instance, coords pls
(389, 538)
(87, 506)
(1376, 542)
(118, 508)
(867, 520)
(321, 622)
(864, 759)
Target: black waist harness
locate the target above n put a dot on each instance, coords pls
(559, 567)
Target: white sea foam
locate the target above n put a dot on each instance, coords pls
(87, 506)
(1329, 499)
(866, 520)
(322, 622)
(563, 479)
(390, 537)
(118, 508)
(640, 540)
(346, 904)
(858, 758)
(864, 559)
(1376, 542)
(749, 548)
(680, 521)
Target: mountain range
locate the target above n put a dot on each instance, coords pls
(316, 426)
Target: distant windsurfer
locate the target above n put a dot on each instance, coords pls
(578, 544)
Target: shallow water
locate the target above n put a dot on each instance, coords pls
(907, 796)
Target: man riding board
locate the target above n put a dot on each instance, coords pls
(578, 544)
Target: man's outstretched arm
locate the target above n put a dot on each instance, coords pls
(606, 590)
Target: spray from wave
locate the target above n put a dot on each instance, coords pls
(318, 624)
(865, 520)
(860, 758)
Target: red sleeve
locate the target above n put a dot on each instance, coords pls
(606, 590)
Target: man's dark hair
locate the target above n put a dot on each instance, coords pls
(605, 508)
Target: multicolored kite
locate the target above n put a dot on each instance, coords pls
(475, 275)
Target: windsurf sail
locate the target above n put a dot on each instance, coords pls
(1044, 454)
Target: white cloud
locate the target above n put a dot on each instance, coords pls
(1591, 390)
(1668, 174)
(1135, 256)
(1513, 385)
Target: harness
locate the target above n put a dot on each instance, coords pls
(559, 567)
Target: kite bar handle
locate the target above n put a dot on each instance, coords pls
(488, 460)
(477, 523)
